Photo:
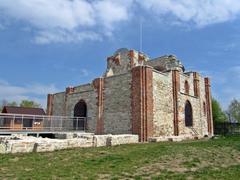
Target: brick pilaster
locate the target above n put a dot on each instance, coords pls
(99, 87)
(142, 102)
(196, 84)
(209, 105)
(131, 57)
(50, 104)
(176, 89)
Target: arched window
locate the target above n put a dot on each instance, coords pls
(186, 87)
(204, 109)
(80, 115)
(188, 114)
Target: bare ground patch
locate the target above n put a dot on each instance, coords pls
(192, 160)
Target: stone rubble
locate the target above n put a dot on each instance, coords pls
(27, 144)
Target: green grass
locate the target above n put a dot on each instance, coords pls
(213, 159)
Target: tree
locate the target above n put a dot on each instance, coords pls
(12, 104)
(234, 110)
(6, 103)
(218, 114)
(31, 104)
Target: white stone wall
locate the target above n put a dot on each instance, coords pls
(199, 127)
(27, 144)
(117, 104)
(203, 99)
(162, 104)
(189, 78)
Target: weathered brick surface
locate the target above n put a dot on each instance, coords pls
(98, 85)
(175, 89)
(123, 61)
(135, 98)
(209, 105)
(50, 104)
(142, 102)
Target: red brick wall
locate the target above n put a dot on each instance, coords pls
(176, 89)
(50, 104)
(142, 102)
(209, 105)
(196, 84)
(99, 87)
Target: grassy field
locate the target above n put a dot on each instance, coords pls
(212, 159)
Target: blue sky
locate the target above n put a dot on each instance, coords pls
(46, 46)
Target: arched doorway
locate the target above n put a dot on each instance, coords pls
(80, 114)
(188, 114)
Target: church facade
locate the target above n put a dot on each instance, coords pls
(138, 95)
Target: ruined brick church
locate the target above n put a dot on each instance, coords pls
(138, 95)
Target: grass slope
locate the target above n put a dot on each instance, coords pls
(213, 159)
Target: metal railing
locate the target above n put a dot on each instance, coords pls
(25, 122)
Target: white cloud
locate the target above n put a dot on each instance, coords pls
(82, 20)
(198, 12)
(110, 11)
(47, 14)
(11, 92)
(62, 36)
(68, 20)
(84, 72)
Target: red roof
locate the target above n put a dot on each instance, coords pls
(23, 110)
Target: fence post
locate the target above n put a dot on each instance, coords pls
(61, 124)
(50, 128)
(22, 122)
(34, 119)
(76, 124)
(13, 124)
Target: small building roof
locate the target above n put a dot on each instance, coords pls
(23, 110)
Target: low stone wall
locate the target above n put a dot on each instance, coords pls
(26, 144)
(173, 138)
(114, 140)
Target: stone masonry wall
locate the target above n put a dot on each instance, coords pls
(162, 104)
(203, 101)
(58, 104)
(63, 105)
(86, 93)
(199, 127)
(117, 104)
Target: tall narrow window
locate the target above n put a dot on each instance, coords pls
(204, 109)
(186, 86)
(188, 114)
